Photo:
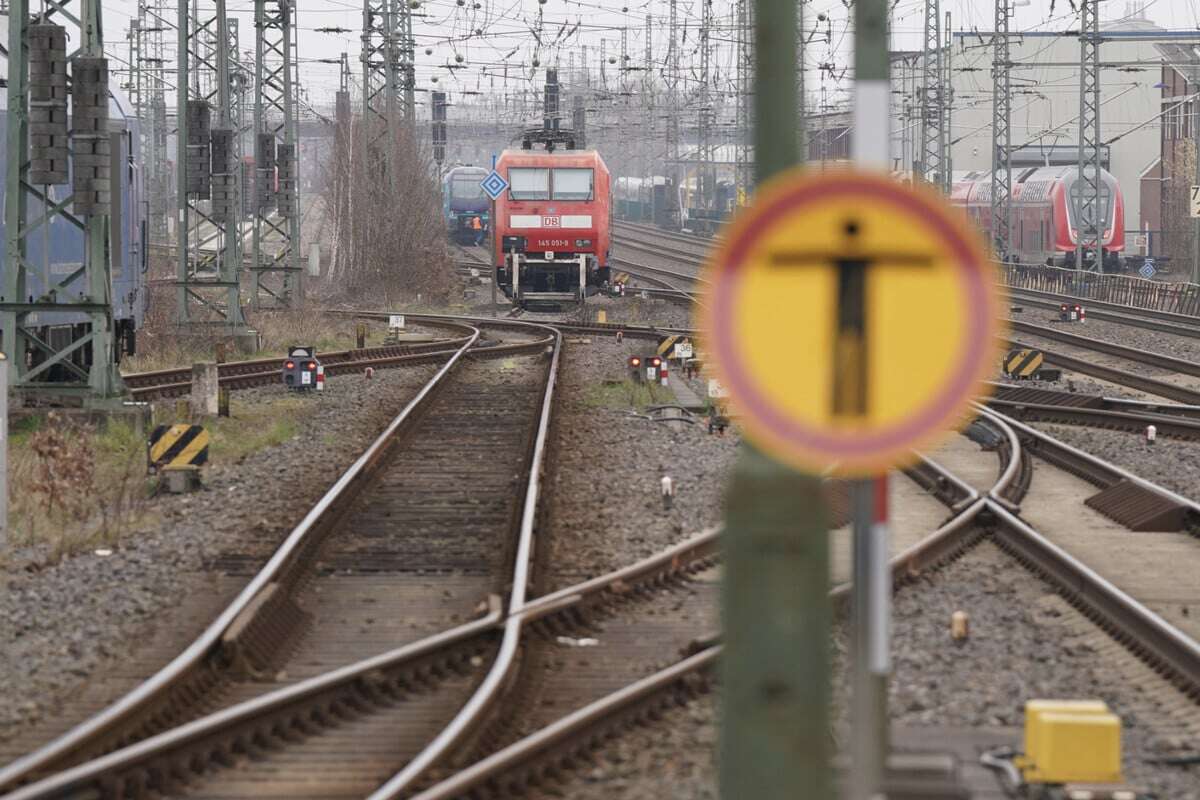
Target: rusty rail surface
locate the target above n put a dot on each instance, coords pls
(526, 760)
(191, 673)
(289, 714)
(1161, 321)
(548, 751)
(259, 371)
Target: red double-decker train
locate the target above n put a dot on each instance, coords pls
(1044, 228)
(552, 231)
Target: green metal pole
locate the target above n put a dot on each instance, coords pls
(775, 739)
(182, 83)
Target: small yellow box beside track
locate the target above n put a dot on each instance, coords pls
(1071, 741)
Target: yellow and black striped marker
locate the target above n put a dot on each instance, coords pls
(676, 346)
(178, 446)
(1023, 363)
(622, 278)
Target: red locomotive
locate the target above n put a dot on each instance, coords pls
(552, 231)
(1042, 224)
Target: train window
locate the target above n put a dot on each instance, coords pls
(529, 183)
(573, 184)
(466, 187)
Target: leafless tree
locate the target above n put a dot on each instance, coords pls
(389, 245)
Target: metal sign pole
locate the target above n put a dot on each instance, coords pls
(3, 450)
(492, 236)
(775, 740)
(872, 581)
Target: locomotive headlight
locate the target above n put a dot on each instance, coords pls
(583, 242)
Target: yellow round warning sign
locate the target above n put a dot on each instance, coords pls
(851, 319)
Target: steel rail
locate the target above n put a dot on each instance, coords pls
(1016, 393)
(1128, 621)
(1043, 300)
(209, 640)
(1109, 348)
(164, 380)
(489, 690)
(943, 544)
(1090, 468)
(1150, 636)
(1117, 376)
(1133, 422)
(204, 732)
(1088, 303)
(603, 328)
(261, 716)
(243, 380)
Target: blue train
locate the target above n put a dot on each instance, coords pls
(463, 202)
(127, 230)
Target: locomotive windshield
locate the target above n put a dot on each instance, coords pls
(528, 183)
(465, 187)
(573, 184)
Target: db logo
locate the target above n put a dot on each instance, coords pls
(551, 222)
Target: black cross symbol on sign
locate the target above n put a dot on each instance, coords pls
(850, 335)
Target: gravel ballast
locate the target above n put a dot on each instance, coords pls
(60, 623)
(604, 503)
(1171, 463)
(1025, 643)
(1171, 344)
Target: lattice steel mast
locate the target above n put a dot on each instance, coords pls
(704, 154)
(673, 111)
(930, 165)
(275, 259)
(208, 246)
(51, 354)
(1001, 131)
(947, 102)
(1089, 202)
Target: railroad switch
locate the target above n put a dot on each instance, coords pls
(302, 371)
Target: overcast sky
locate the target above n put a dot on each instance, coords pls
(499, 41)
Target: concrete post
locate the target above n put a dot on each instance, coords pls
(205, 390)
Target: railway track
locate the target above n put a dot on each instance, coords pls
(1164, 383)
(1133, 416)
(418, 517)
(244, 374)
(554, 749)
(162, 384)
(1161, 321)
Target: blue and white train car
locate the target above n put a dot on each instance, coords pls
(57, 249)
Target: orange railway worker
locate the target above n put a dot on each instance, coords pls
(477, 225)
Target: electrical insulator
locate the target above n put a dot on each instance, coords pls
(286, 160)
(264, 160)
(48, 146)
(199, 168)
(91, 158)
(224, 177)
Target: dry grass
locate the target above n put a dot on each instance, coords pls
(74, 487)
(164, 347)
(255, 426)
(627, 394)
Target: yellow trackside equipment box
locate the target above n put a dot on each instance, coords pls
(1071, 741)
